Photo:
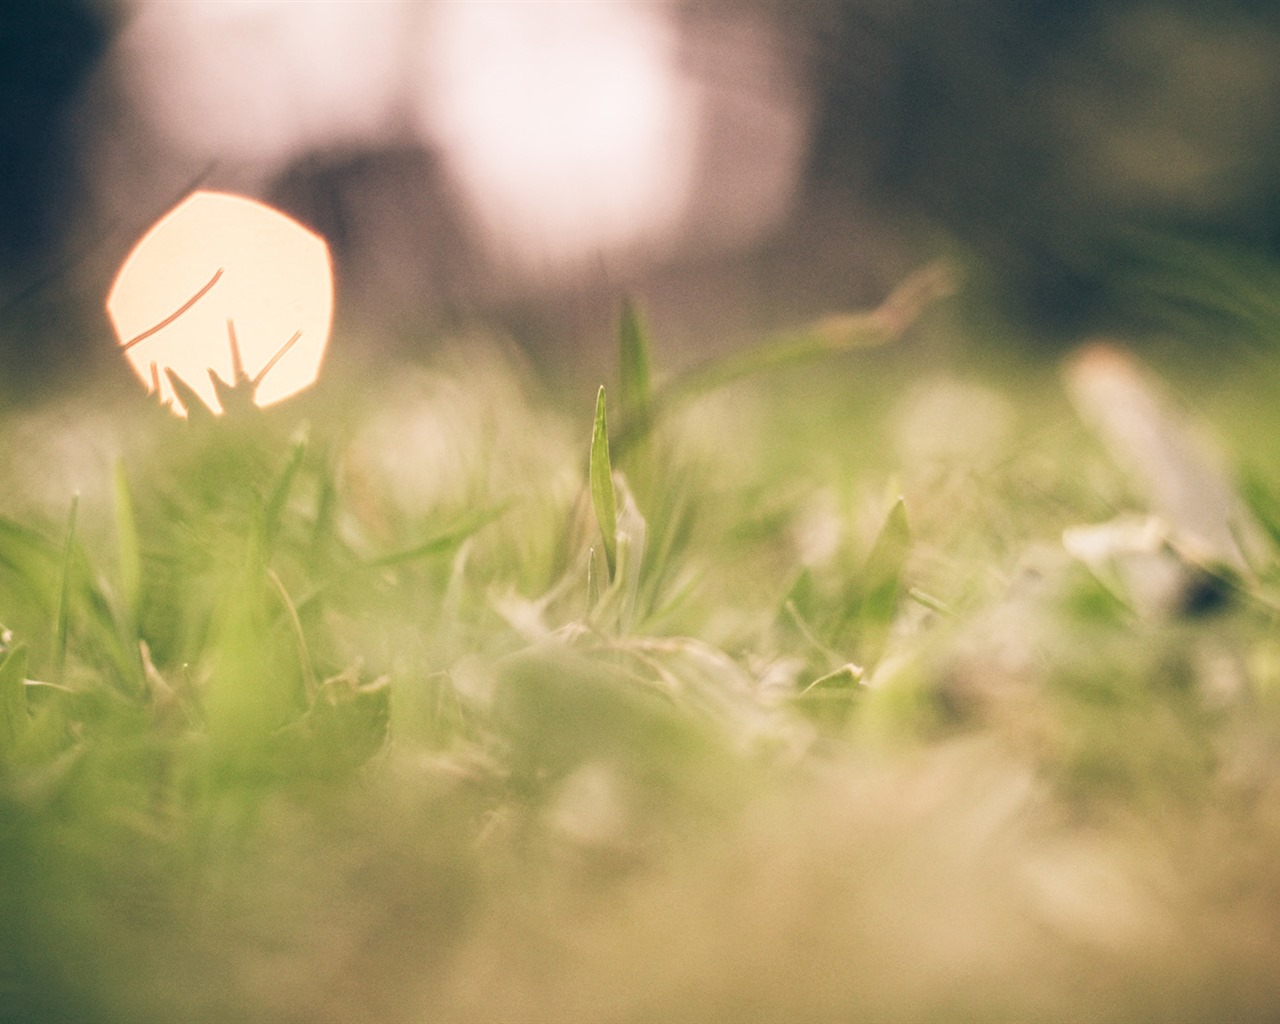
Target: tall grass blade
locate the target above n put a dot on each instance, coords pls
(634, 366)
(441, 543)
(273, 508)
(602, 497)
(13, 699)
(128, 549)
(61, 623)
(197, 411)
(636, 392)
(445, 541)
(823, 338)
(29, 556)
(299, 635)
(324, 529)
(882, 574)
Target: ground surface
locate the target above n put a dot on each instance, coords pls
(880, 686)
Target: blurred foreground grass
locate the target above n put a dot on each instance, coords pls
(860, 689)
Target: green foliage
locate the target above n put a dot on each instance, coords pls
(634, 367)
(13, 701)
(128, 548)
(293, 728)
(882, 573)
(64, 592)
(602, 493)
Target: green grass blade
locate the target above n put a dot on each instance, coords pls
(633, 366)
(236, 399)
(13, 698)
(636, 392)
(273, 508)
(324, 529)
(197, 411)
(602, 497)
(299, 635)
(128, 549)
(442, 542)
(29, 556)
(824, 337)
(821, 339)
(61, 623)
(882, 572)
(593, 581)
(845, 677)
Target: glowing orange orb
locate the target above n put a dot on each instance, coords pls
(226, 285)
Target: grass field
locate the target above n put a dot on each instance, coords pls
(823, 682)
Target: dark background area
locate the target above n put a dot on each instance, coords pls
(47, 52)
(1098, 166)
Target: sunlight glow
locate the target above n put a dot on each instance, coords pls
(219, 280)
(552, 138)
(568, 125)
(263, 81)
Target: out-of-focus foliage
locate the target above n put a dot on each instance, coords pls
(1080, 155)
(1068, 144)
(901, 699)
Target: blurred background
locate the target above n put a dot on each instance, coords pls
(520, 164)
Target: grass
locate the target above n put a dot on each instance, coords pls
(808, 684)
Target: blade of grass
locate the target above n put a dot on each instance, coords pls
(236, 399)
(601, 477)
(827, 336)
(13, 698)
(845, 677)
(636, 393)
(927, 600)
(323, 530)
(832, 334)
(29, 556)
(797, 618)
(273, 508)
(882, 575)
(61, 622)
(593, 583)
(441, 542)
(299, 636)
(127, 546)
(197, 411)
(633, 366)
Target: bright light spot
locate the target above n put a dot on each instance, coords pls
(568, 131)
(567, 124)
(217, 274)
(264, 81)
